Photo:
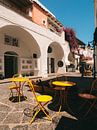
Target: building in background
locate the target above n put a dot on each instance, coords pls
(30, 40)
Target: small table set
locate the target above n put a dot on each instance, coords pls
(19, 83)
(62, 87)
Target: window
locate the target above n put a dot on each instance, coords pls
(34, 55)
(14, 42)
(9, 40)
(44, 22)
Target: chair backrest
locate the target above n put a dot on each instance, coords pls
(16, 75)
(31, 85)
(94, 87)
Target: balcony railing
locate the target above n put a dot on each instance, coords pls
(54, 31)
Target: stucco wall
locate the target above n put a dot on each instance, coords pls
(38, 16)
(33, 38)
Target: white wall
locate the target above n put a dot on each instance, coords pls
(41, 38)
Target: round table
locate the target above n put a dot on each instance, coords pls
(19, 82)
(62, 87)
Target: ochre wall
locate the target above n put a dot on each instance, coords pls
(38, 15)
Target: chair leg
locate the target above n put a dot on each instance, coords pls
(83, 105)
(90, 108)
(18, 93)
(44, 110)
(34, 116)
(41, 108)
(49, 118)
(11, 95)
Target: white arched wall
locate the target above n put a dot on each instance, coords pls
(39, 42)
(57, 54)
(42, 37)
(27, 47)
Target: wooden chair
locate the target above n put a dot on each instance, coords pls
(90, 98)
(41, 101)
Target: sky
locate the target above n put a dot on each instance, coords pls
(75, 14)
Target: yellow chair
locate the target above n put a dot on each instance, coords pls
(16, 75)
(41, 100)
(14, 89)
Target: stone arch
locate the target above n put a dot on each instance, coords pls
(55, 54)
(27, 48)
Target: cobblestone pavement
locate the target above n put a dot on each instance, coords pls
(13, 118)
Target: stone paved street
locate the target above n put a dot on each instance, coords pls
(13, 118)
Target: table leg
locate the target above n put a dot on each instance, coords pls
(66, 99)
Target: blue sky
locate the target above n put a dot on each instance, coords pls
(76, 14)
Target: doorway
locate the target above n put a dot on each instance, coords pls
(10, 64)
(52, 65)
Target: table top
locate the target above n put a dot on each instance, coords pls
(19, 79)
(63, 83)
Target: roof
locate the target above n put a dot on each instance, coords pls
(49, 14)
(80, 42)
(43, 7)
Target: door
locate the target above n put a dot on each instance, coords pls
(48, 65)
(10, 65)
(52, 65)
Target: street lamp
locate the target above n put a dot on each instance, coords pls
(94, 55)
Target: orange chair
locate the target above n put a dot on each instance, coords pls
(41, 100)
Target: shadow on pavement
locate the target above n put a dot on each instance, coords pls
(71, 124)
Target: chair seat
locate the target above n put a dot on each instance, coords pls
(59, 88)
(44, 98)
(87, 96)
(14, 87)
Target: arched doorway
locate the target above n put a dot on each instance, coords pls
(10, 64)
(50, 61)
(55, 54)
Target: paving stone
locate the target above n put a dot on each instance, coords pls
(26, 119)
(4, 107)
(45, 126)
(4, 127)
(33, 126)
(56, 119)
(2, 116)
(16, 120)
(21, 106)
(7, 101)
(4, 94)
(13, 118)
(20, 127)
